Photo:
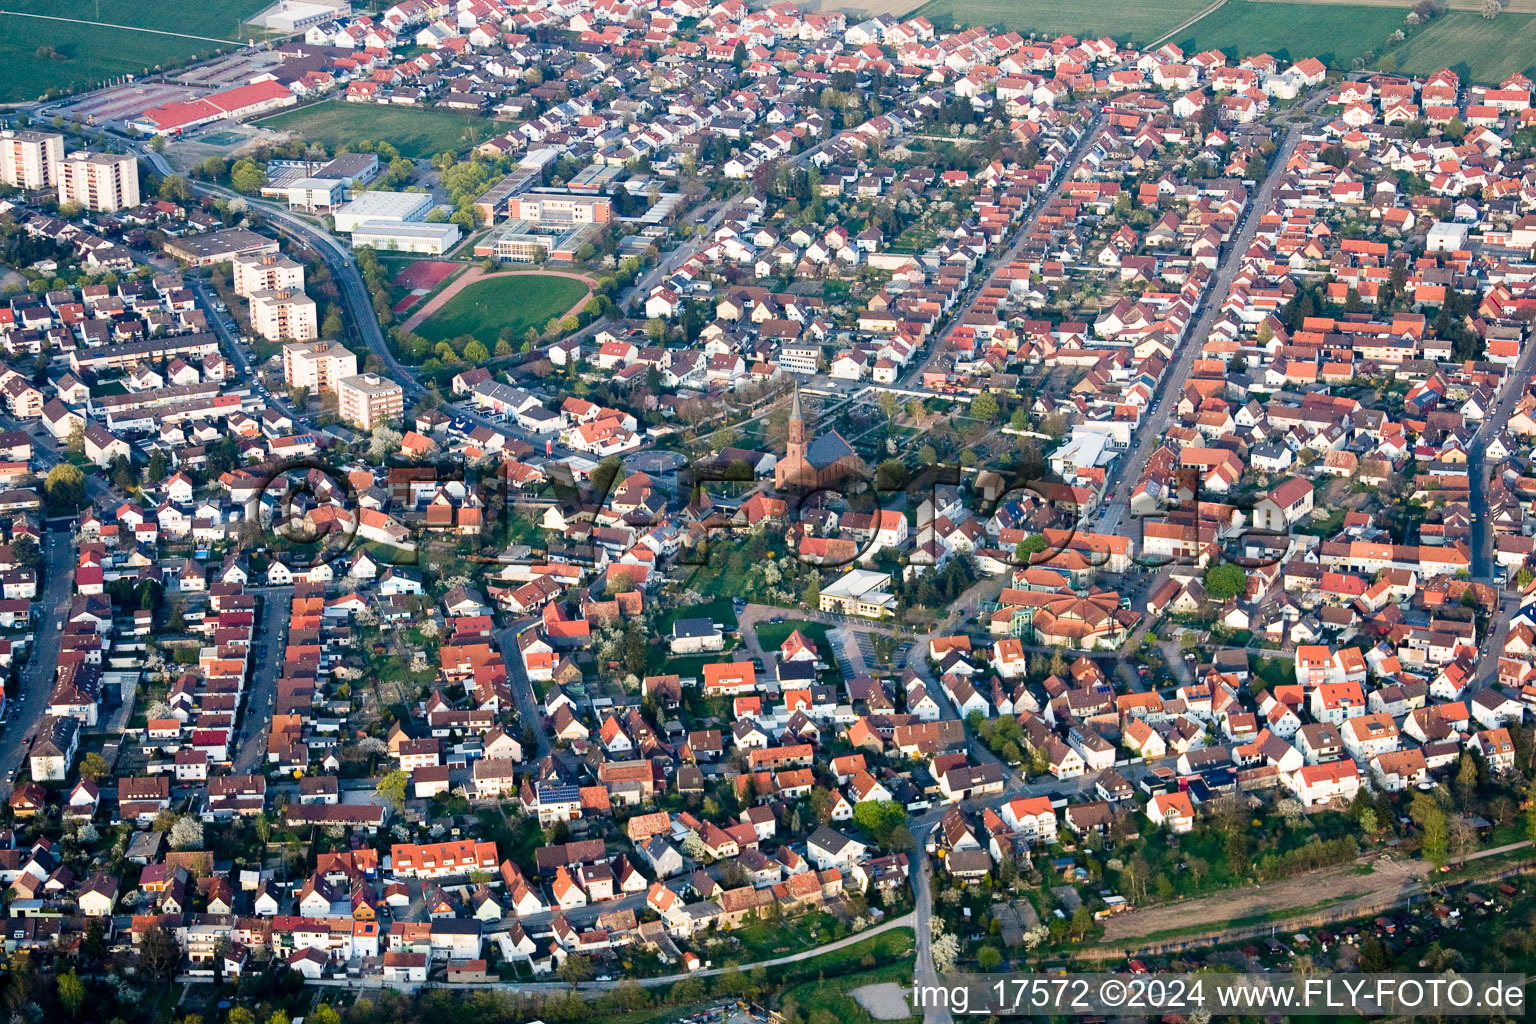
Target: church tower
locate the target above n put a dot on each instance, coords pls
(795, 449)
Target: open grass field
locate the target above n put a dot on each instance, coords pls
(771, 635)
(1126, 21)
(1477, 49)
(415, 133)
(87, 55)
(484, 308)
(1333, 33)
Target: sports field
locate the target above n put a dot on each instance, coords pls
(1334, 33)
(82, 55)
(1126, 21)
(1478, 49)
(483, 308)
(415, 133)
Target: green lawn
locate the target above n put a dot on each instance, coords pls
(823, 982)
(773, 634)
(1129, 22)
(87, 55)
(1476, 48)
(719, 609)
(1335, 34)
(486, 307)
(415, 133)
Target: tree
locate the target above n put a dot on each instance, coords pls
(392, 788)
(1491, 9)
(1028, 547)
(984, 406)
(886, 400)
(987, 958)
(187, 833)
(24, 550)
(93, 767)
(383, 442)
(1435, 839)
(476, 352)
(71, 992)
(879, 818)
(1226, 580)
(158, 467)
(64, 487)
(946, 950)
(247, 176)
(160, 954)
(575, 970)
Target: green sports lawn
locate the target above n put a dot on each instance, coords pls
(88, 55)
(1334, 33)
(415, 133)
(484, 308)
(1478, 49)
(1128, 22)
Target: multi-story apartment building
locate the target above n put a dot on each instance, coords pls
(366, 400)
(266, 272)
(284, 313)
(317, 365)
(30, 159)
(100, 181)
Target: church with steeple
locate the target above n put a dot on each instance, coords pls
(815, 462)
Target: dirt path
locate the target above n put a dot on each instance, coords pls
(1186, 23)
(474, 274)
(1343, 884)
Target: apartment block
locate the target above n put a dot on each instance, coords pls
(100, 181)
(266, 272)
(30, 159)
(284, 313)
(317, 365)
(366, 400)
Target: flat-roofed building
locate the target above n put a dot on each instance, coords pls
(317, 365)
(100, 181)
(429, 239)
(266, 272)
(859, 592)
(366, 400)
(375, 209)
(284, 313)
(30, 159)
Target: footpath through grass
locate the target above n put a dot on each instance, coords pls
(489, 306)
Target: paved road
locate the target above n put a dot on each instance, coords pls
(42, 662)
(1003, 256)
(528, 705)
(276, 606)
(1149, 434)
(236, 350)
(1477, 471)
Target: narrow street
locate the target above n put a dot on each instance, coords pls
(52, 604)
(1114, 513)
(1003, 256)
(528, 706)
(255, 723)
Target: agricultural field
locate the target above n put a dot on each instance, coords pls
(415, 133)
(60, 56)
(483, 309)
(1334, 33)
(1478, 49)
(1127, 22)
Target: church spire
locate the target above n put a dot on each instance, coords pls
(796, 446)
